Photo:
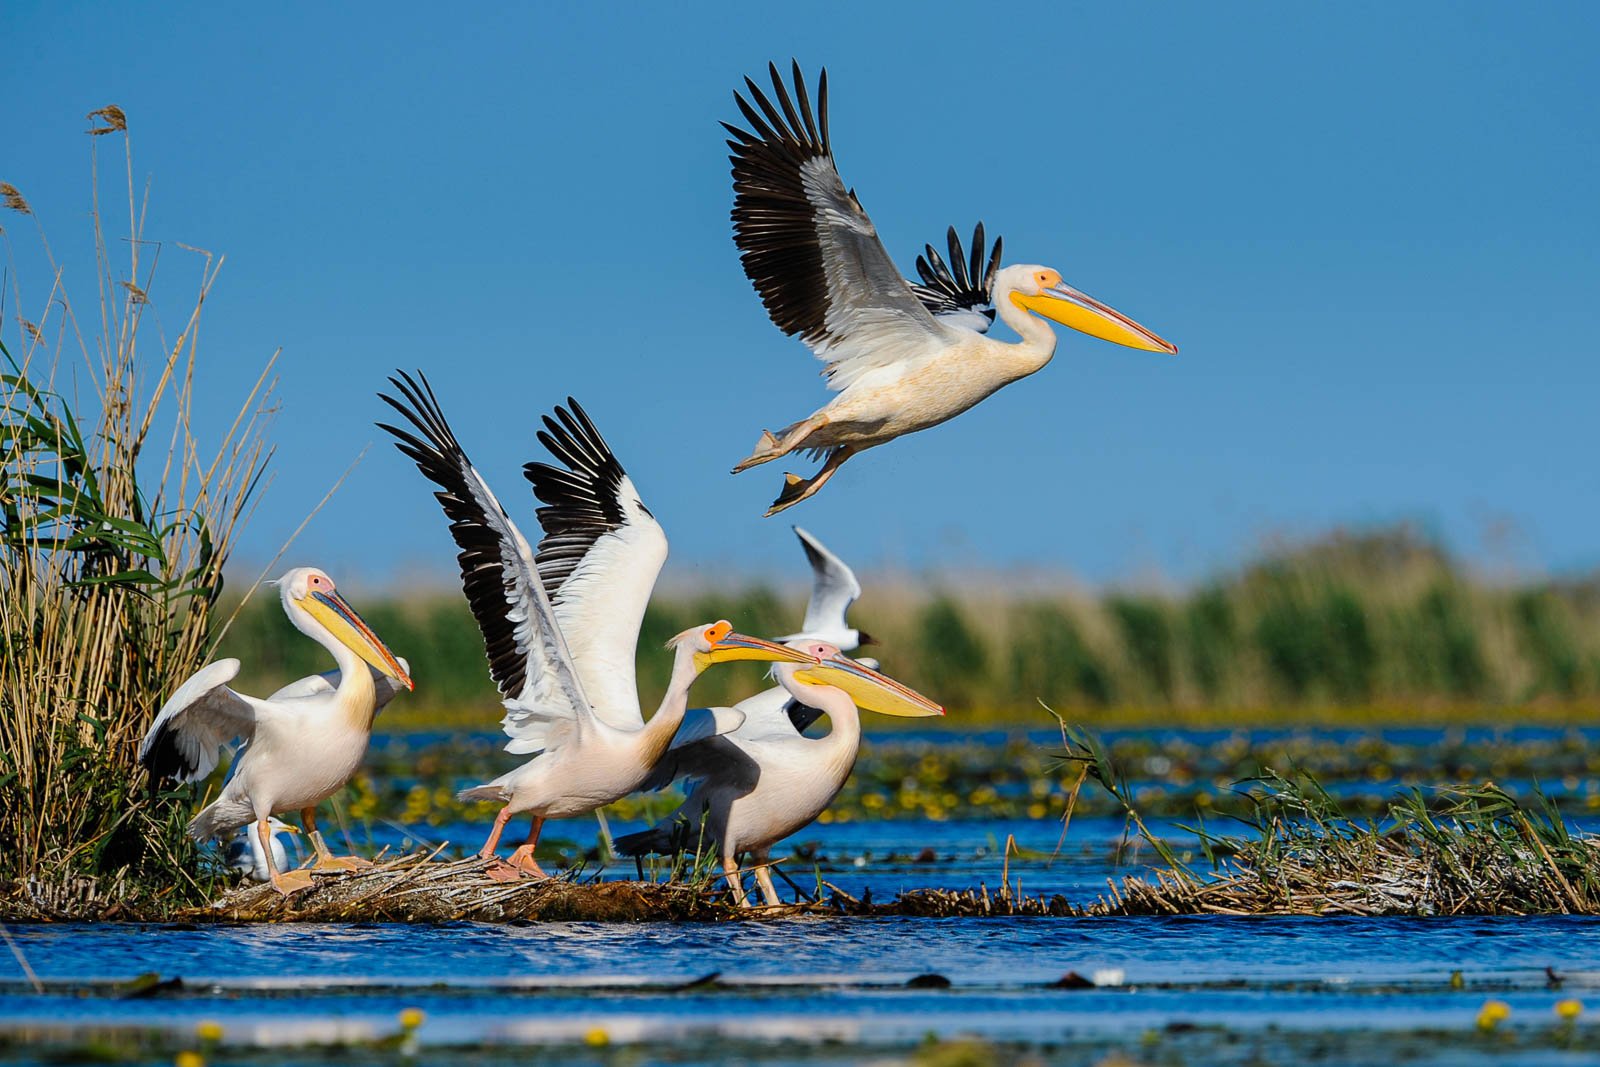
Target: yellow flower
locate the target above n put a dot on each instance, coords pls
(209, 1031)
(597, 1037)
(189, 1059)
(1569, 1009)
(412, 1018)
(1492, 1014)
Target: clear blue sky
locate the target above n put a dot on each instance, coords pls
(1372, 228)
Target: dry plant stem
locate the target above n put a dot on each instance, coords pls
(110, 565)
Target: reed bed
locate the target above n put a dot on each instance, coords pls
(115, 524)
(1465, 850)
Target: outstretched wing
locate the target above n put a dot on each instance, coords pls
(962, 292)
(808, 246)
(601, 553)
(527, 657)
(185, 741)
(833, 589)
(326, 682)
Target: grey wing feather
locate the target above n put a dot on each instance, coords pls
(807, 245)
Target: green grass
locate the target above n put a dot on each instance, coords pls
(1350, 628)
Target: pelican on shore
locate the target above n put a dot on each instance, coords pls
(561, 626)
(749, 789)
(814, 258)
(301, 745)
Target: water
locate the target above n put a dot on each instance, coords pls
(1168, 990)
(822, 988)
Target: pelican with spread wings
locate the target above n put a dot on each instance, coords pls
(561, 624)
(898, 360)
(302, 743)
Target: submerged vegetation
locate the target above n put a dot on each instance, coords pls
(1369, 625)
(115, 524)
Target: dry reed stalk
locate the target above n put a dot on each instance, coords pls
(111, 561)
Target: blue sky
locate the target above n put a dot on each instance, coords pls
(1371, 228)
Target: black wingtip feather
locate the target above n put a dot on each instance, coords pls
(962, 285)
(581, 497)
(442, 460)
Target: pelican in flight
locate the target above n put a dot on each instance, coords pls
(302, 743)
(753, 787)
(833, 589)
(814, 257)
(561, 625)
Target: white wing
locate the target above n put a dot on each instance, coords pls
(599, 559)
(328, 681)
(766, 715)
(528, 658)
(186, 739)
(809, 248)
(833, 589)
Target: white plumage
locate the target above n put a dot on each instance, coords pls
(561, 626)
(299, 746)
(902, 357)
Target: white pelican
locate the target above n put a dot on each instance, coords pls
(245, 855)
(815, 259)
(302, 744)
(753, 787)
(833, 589)
(561, 627)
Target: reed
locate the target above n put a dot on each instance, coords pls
(1452, 850)
(1345, 627)
(115, 524)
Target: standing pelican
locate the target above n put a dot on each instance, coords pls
(561, 627)
(245, 855)
(747, 792)
(302, 744)
(814, 257)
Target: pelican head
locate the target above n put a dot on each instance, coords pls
(309, 599)
(717, 643)
(1041, 291)
(870, 690)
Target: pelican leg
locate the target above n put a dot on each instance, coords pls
(796, 488)
(326, 860)
(730, 871)
(499, 869)
(770, 448)
(286, 882)
(769, 892)
(522, 857)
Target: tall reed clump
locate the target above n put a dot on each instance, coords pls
(115, 522)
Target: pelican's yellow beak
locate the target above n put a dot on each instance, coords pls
(729, 647)
(348, 628)
(1082, 312)
(870, 690)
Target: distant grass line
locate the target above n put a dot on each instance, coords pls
(1353, 626)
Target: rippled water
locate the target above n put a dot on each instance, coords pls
(812, 984)
(1181, 989)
